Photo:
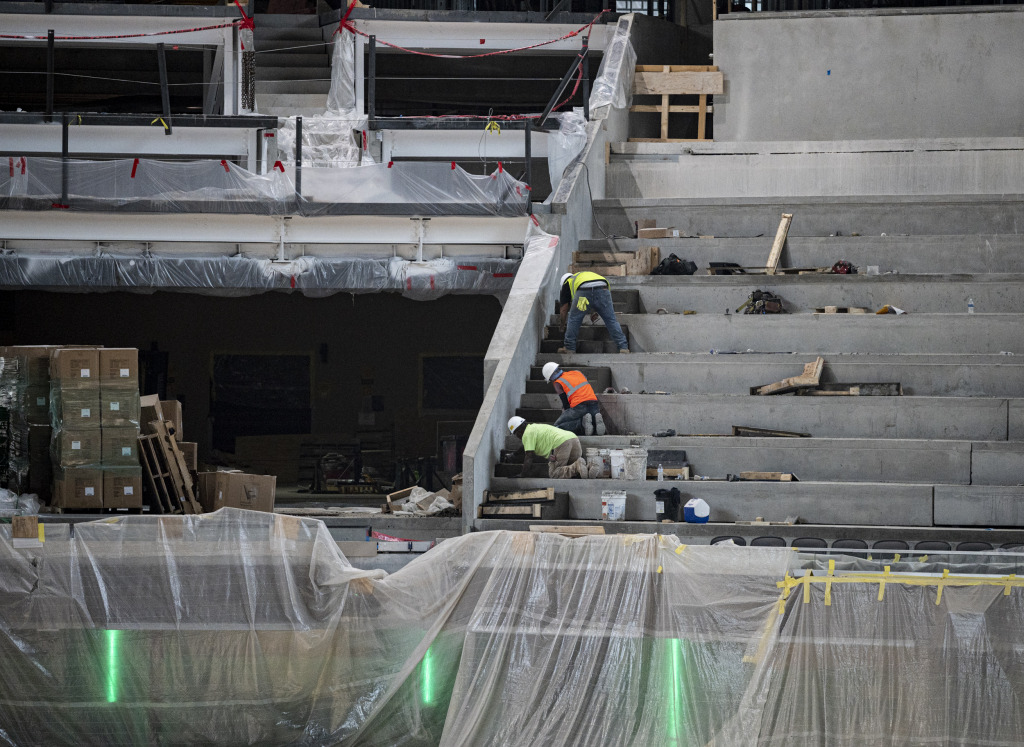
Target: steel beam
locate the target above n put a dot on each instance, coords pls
(99, 25)
(446, 38)
(192, 227)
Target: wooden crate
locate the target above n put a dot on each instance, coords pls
(676, 80)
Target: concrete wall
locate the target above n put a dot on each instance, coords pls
(871, 74)
(379, 337)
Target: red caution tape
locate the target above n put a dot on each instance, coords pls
(246, 22)
(293, 281)
(504, 274)
(390, 164)
(364, 140)
(135, 165)
(535, 221)
(453, 165)
(431, 282)
(23, 165)
(224, 163)
(344, 24)
(268, 134)
(278, 165)
(408, 283)
(10, 165)
(483, 41)
(466, 267)
(500, 167)
(59, 206)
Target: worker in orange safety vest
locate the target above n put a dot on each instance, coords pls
(581, 412)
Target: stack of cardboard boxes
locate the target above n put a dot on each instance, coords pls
(94, 413)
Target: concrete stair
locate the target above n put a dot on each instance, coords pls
(293, 67)
(944, 460)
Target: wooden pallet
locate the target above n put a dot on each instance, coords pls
(158, 479)
(676, 80)
(166, 471)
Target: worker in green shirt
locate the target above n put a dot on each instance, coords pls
(561, 448)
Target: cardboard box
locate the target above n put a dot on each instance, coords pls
(78, 488)
(658, 233)
(77, 448)
(37, 362)
(120, 447)
(122, 487)
(75, 367)
(77, 408)
(119, 366)
(190, 451)
(171, 409)
(236, 490)
(149, 410)
(119, 407)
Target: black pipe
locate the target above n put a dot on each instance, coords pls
(165, 94)
(528, 152)
(63, 160)
(586, 78)
(49, 75)
(562, 85)
(371, 88)
(298, 158)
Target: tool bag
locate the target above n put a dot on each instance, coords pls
(762, 302)
(842, 267)
(673, 265)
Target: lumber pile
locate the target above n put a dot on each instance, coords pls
(523, 504)
(617, 263)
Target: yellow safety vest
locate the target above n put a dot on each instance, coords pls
(575, 281)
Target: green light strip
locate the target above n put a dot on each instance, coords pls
(112, 664)
(427, 678)
(675, 652)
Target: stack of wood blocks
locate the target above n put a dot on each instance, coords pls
(617, 263)
(524, 504)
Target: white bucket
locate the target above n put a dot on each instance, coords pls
(613, 504)
(606, 463)
(617, 462)
(635, 464)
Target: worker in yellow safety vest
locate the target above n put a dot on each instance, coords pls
(585, 293)
(581, 412)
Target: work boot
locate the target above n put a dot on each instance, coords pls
(623, 350)
(595, 471)
(582, 469)
(599, 425)
(566, 351)
(588, 425)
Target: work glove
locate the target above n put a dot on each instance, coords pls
(582, 303)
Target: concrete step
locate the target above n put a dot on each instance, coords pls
(703, 373)
(921, 254)
(288, 20)
(818, 216)
(804, 293)
(291, 59)
(918, 461)
(813, 502)
(591, 338)
(599, 378)
(293, 87)
(956, 418)
(291, 111)
(265, 74)
(299, 46)
(272, 33)
(288, 105)
(824, 334)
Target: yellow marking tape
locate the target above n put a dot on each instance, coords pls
(493, 127)
(828, 583)
(161, 121)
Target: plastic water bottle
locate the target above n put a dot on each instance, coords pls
(970, 305)
(661, 474)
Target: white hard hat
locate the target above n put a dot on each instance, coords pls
(514, 422)
(565, 277)
(549, 370)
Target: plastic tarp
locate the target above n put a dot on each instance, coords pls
(248, 628)
(212, 186)
(614, 83)
(566, 144)
(245, 276)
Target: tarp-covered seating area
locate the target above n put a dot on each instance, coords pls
(247, 628)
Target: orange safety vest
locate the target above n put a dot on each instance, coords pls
(576, 387)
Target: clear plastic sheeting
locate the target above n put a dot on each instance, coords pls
(614, 83)
(327, 141)
(212, 186)
(566, 144)
(244, 276)
(341, 98)
(250, 628)
(12, 504)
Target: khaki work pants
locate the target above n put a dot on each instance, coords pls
(563, 462)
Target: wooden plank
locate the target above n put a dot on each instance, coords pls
(568, 531)
(606, 270)
(541, 494)
(771, 476)
(529, 510)
(780, 240)
(174, 462)
(702, 117)
(858, 389)
(662, 83)
(600, 257)
(683, 473)
(809, 378)
(677, 68)
(673, 109)
(163, 501)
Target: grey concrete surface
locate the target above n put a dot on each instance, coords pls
(828, 333)
(979, 505)
(956, 418)
(804, 293)
(813, 502)
(813, 216)
(702, 373)
(847, 74)
(916, 172)
(929, 254)
(997, 464)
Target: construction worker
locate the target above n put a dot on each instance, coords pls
(561, 448)
(581, 412)
(587, 293)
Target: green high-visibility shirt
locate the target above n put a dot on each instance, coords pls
(542, 439)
